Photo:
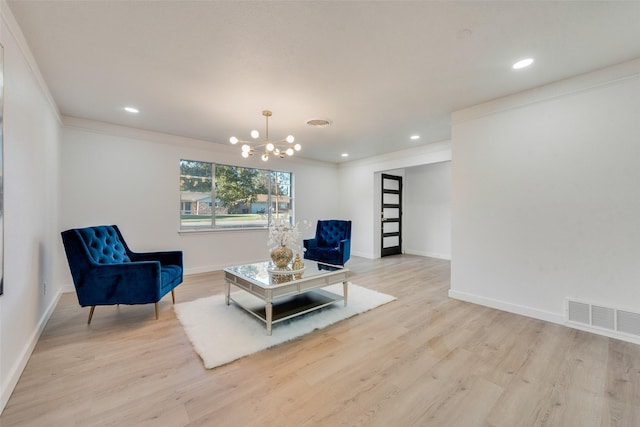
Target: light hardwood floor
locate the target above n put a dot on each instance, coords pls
(423, 360)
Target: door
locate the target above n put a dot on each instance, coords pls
(391, 215)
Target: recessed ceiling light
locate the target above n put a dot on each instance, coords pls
(523, 63)
(415, 136)
(345, 154)
(131, 110)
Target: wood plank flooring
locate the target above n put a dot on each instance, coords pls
(423, 360)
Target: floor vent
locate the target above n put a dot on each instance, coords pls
(603, 317)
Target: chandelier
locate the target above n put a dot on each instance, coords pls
(280, 148)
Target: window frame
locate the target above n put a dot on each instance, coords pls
(214, 224)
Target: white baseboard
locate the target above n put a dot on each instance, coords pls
(428, 254)
(547, 316)
(363, 255)
(600, 331)
(16, 371)
(202, 269)
(509, 307)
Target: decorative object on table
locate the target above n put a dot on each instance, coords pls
(277, 276)
(282, 275)
(298, 266)
(304, 227)
(332, 243)
(282, 236)
(220, 335)
(106, 272)
(282, 256)
(278, 148)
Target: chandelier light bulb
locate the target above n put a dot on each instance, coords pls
(280, 148)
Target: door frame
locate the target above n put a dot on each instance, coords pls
(392, 250)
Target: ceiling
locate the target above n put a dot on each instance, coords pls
(380, 71)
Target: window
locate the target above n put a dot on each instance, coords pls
(216, 196)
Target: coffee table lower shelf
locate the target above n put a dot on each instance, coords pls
(286, 307)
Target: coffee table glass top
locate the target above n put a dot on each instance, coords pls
(259, 272)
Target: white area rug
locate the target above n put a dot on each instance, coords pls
(221, 334)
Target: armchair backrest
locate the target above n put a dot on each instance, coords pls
(104, 244)
(86, 247)
(330, 232)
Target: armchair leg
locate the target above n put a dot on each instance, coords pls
(156, 311)
(173, 296)
(93, 307)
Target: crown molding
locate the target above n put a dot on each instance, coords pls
(609, 76)
(433, 152)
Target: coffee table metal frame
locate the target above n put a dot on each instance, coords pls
(285, 300)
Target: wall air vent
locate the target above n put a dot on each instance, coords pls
(603, 317)
(319, 123)
(579, 312)
(629, 322)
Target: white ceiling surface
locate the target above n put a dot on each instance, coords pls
(379, 70)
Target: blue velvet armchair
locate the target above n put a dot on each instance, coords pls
(106, 272)
(332, 244)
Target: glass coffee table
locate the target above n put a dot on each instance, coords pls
(274, 295)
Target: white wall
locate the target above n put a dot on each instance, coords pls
(360, 191)
(427, 210)
(546, 203)
(31, 135)
(116, 175)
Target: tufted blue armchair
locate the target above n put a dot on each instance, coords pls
(106, 272)
(332, 244)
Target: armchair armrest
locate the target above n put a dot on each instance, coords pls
(125, 283)
(345, 249)
(310, 243)
(165, 258)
